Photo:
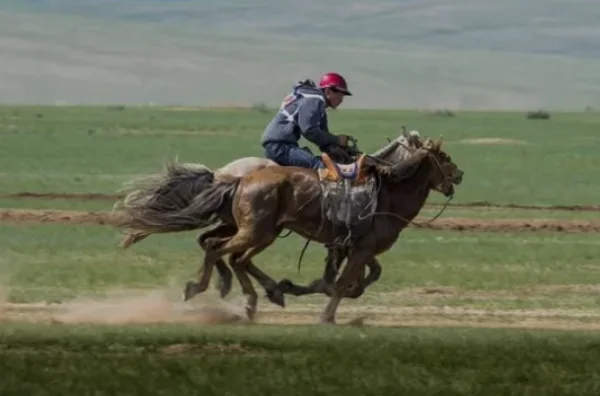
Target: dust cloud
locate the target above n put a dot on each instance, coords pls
(150, 307)
(128, 307)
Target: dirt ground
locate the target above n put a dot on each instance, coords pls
(447, 223)
(157, 307)
(472, 205)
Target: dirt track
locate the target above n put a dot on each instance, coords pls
(472, 205)
(155, 308)
(448, 223)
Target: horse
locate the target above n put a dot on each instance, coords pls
(176, 187)
(259, 205)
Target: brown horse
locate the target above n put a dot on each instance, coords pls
(181, 183)
(262, 203)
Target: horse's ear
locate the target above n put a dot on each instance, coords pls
(404, 132)
(438, 145)
(428, 144)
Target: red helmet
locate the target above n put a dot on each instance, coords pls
(336, 81)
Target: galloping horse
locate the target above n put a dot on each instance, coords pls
(181, 183)
(254, 208)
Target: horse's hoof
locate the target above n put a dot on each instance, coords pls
(224, 287)
(276, 297)
(250, 313)
(284, 286)
(191, 289)
(327, 320)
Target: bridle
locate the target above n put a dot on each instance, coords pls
(445, 179)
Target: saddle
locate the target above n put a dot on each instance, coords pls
(334, 172)
(349, 197)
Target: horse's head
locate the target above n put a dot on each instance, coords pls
(403, 155)
(444, 173)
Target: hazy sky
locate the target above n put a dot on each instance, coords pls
(456, 54)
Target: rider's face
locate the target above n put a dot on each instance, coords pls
(334, 98)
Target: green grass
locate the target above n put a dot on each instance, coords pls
(430, 272)
(258, 360)
(506, 213)
(57, 204)
(56, 263)
(97, 149)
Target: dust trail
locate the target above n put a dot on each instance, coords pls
(143, 307)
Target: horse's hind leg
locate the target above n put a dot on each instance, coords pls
(243, 246)
(274, 294)
(225, 276)
(240, 261)
(211, 258)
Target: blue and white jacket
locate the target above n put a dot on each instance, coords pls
(302, 113)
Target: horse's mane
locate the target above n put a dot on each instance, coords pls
(408, 157)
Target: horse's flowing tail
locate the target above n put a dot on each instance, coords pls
(184, 197)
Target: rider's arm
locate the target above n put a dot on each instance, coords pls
(310, 112)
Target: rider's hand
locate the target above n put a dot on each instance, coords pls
(343, 140)
(338, 154)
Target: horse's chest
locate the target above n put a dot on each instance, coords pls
(386, 234)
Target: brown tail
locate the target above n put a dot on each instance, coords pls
(203, 211)
(150, 199)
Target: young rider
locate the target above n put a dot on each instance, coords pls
(302, 113)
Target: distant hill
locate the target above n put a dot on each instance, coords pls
(514, 54)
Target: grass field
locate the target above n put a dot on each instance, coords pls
(499, 296)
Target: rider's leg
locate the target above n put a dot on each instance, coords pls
(291, 155)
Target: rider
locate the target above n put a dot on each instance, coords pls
(303, 113)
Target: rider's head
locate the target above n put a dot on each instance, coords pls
(335, 88)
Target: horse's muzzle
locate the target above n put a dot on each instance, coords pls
(458, 176)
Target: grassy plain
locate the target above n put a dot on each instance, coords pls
(259, 360)
(431, 280)
(97, 149)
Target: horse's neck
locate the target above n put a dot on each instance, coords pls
(402, 201)
(409, 195)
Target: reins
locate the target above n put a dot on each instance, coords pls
(407, 221)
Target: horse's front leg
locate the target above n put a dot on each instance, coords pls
(353, 270)
(324, 285)
(321, 285)
(359, 288)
